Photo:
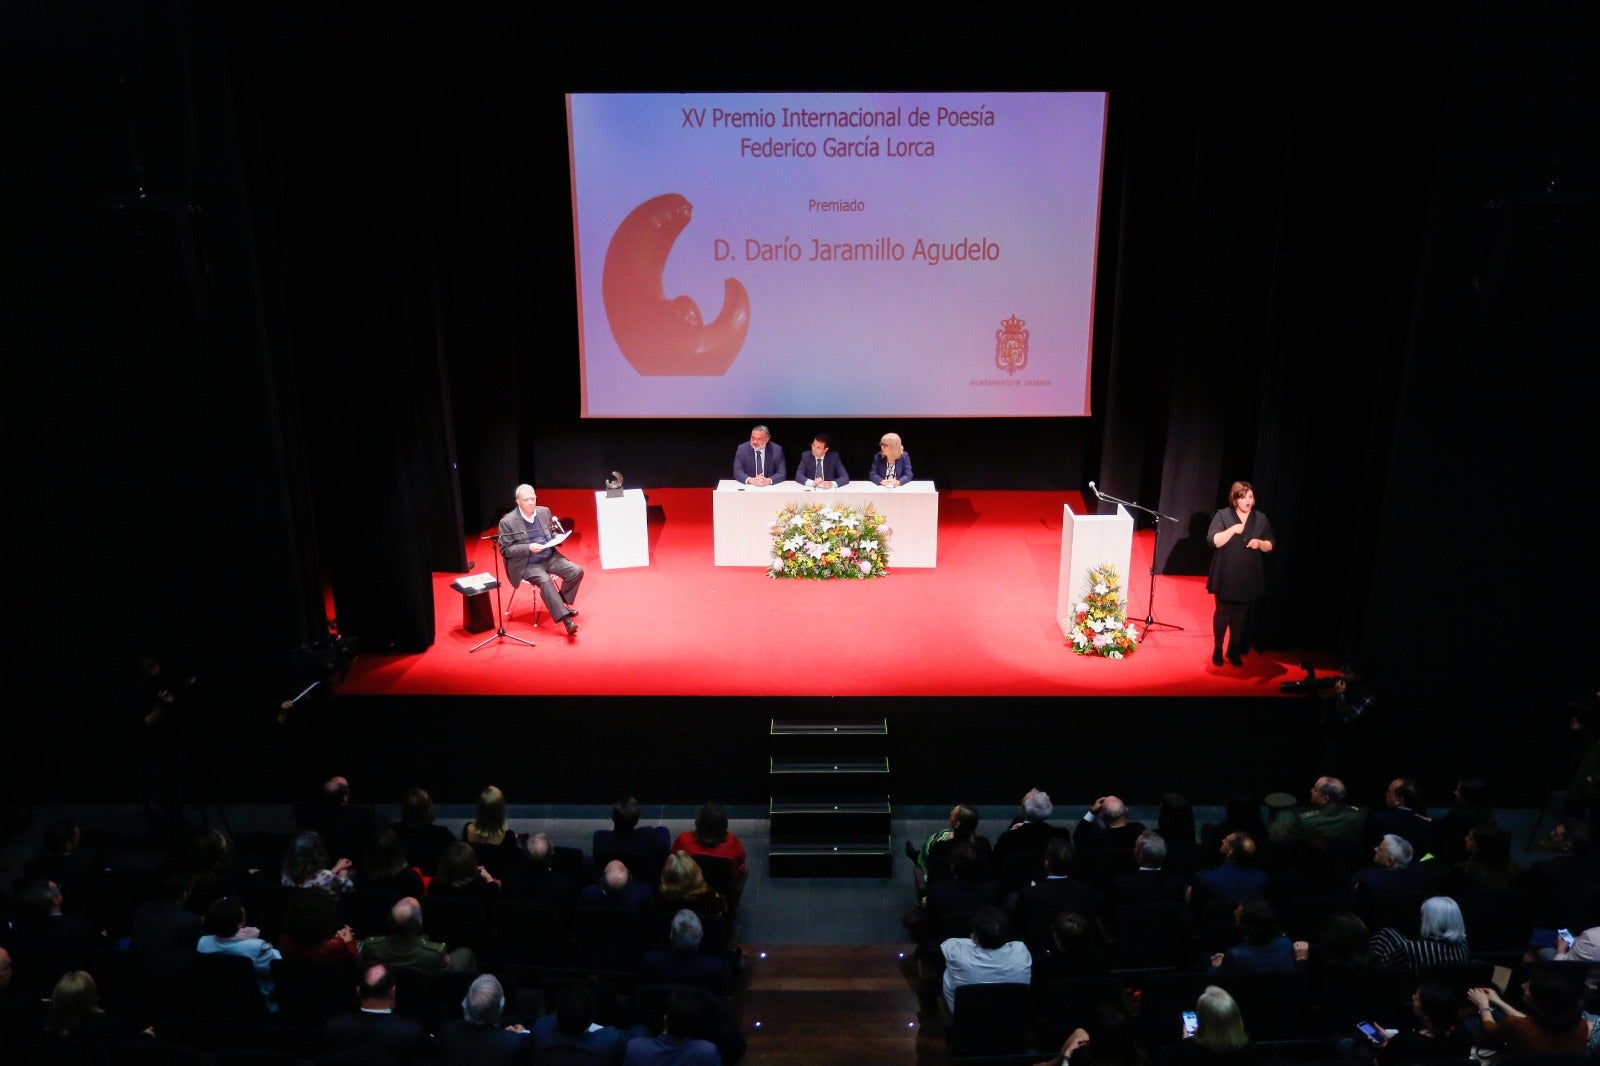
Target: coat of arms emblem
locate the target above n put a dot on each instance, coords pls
(1011, 345)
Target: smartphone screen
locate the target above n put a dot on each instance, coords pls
(1369, 1031)
(1191, 1023)
(1565, 934)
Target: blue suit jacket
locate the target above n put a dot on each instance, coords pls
(882, 468)
(832, 469)
(744, 463)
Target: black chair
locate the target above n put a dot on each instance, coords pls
(367, 912)
(1275, 1006)
(1460, 976)
(1100, 866)
(1070, 1002)
(990, 1019)
(1498, 921)
(719, 874)
(568, 1055)
(528, 933)
(1307, 914)
(1400, 911)
(310, 991)
(1215, 928)
(1147, 937)
(569, 861)
(609, 939)
(221, 990)
(145, 1052)
(498, 859)
(1363, 994)
(73, 1052)
(1018, 868)
(456, 921)
(1163, 997)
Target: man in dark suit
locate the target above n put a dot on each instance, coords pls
(1107, 825)
(1402, 815)
(522, 531)
(1028, 832)
(536, 880)
(618, 889)
(346, 828)
(682, 963)
(1147, 884)
(478, 1038)
(820, 468)
(47, 942)
(1054, 892)
(374, 1033)
(760, 462)
(163, 932)
(1237, 879)
(627, 837)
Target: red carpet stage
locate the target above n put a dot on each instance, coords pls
(979, 624)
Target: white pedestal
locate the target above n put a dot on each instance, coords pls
(1087, 541)
(624, 539)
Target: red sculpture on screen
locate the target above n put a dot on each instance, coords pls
(660, 336)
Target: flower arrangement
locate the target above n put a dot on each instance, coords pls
(1098, 625)
(818, 540)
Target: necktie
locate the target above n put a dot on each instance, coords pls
(759, 455)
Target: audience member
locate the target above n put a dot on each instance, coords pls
(374, 1032)
(1055, 891)
(618, 889)
(460, 875)
(1331, 817)
(1261, 947)
(1106, 824)
(1443, 940)
(1236, 879)
(1219, 1038)
(931, 860)
(711, 836)
(968, 888)
(1488, 864)
(683, 884)
(1029, 832)
(627, 837)
(1175, 823)
(311, 930)
(1391, 871)
(1150, 881)
(536, 880)
(404, 945)
(1553, 1024)
(1437, 1035)
(1471, 806)
(388, 867)
(75, 1013)
(163, 932)
(423, 839)
(489, 825)
(478, 1037)
(1402, 815)
(683, 963)
(988, 956)
(573, 1025)
(675, 1046)
(306, 865)
(226, 934)
(47, 940)
(346, 828)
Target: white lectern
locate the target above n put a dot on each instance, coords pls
(624, 537)
(1086, 542)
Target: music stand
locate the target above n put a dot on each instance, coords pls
(1150, 605)
(500, 618)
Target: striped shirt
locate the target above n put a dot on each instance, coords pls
(1391, 951)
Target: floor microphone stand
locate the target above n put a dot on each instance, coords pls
(500, 618)
(1150, 618)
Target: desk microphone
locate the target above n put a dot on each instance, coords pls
(1095, 491)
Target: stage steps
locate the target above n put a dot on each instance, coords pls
(829, 810)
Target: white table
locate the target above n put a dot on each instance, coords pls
(624, 536)
(741, 518)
